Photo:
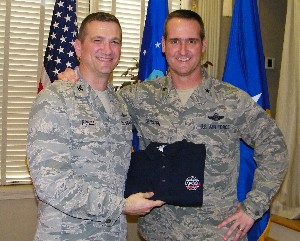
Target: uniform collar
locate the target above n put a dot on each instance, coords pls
(204, 90)
(83, 89)
(85, 94)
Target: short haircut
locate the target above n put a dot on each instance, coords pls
(185, 14)
(98, 16)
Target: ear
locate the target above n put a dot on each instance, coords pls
(204, 45)
(77, 46)
(163, 44)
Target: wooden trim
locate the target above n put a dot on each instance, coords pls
(16, 192)
(270, 239)
(293, 224)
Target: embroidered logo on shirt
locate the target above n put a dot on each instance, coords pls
(192, 183)
(215, 117)
(161, 148)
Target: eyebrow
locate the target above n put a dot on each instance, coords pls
(184, 39)
(103, 37)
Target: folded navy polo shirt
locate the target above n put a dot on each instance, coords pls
(174, 172)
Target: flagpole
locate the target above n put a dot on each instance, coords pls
(142, 21)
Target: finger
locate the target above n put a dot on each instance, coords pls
(148, 194)
(227, 221)
(60, 76)
(158, 203)
(240, 233)
(231, 230)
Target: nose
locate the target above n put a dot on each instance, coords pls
(183, 47)
(106, 47)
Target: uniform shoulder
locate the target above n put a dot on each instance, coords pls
(58, 88)
(143, 86)
(61, 86)
(226, 89)
(55, 93)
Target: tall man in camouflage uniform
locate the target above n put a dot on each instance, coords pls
(79, 143)
(188, 104)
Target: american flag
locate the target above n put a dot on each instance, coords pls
(60, 53)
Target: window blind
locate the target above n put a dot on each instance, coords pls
(24, 33)
(18, 46)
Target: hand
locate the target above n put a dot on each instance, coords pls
(68, 75)
(139, 203)
(240, 224)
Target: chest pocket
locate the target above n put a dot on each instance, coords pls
(100, 145)
(87, 129)
(89, 124)
(155, 127)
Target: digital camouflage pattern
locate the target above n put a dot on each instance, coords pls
(217, 114)
(78, 157)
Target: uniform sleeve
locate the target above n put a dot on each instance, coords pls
(129, 95)
(49, 157)
(260, 131)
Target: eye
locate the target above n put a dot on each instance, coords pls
(193, 41)
(174, 41)
(116, 42)
(98, 40)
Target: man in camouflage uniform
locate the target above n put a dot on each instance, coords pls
(79, 145)
(188, 104)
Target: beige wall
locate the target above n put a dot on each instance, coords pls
(272, 17)
(272, 21)
(17, 220)
(18, 213)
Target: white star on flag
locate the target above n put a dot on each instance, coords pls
(256, 97)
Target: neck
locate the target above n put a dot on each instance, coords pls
(187, 82)
(96, 82)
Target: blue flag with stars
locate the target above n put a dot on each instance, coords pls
(60, 53)
(244, 68)
(152, 62)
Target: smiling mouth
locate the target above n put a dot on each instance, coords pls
(183, 59)
(104, 59)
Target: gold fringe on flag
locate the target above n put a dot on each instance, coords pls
(194, 5)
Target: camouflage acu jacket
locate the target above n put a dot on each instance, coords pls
(217, 114)
(78, 158)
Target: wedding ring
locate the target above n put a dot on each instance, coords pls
(240, 229)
